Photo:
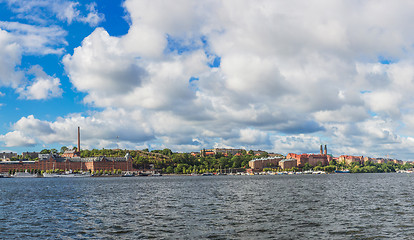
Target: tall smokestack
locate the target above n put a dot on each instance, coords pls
(326, 150)
(321, 150)
(79, 139)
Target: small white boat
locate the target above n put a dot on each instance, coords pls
(24, 175)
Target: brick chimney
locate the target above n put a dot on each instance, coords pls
(78, 139)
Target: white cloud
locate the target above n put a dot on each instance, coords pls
(94, 17)
(287, 68)
(292, 75)
(98, 130)
(42, 86)
(40, 11)
(10, 58)
(17, 139)
(35, 39)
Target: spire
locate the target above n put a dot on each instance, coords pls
(326, 150)
(321, 149)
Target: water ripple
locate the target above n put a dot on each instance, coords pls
(349, 206)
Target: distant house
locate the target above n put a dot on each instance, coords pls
(224, 151)
(70, 153)
(7, 155)
(30, 155)
(350, 159)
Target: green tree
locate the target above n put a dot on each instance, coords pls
(45, 151)
(167, 152)
(63, 149)
(169, 169)
(307, 167)
(237, 160)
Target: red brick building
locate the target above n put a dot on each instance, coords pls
(50, 162)
(313, 159)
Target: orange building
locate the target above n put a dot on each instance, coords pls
(257, 165)
(313, 159)
(350, 159)
(288, 163)
(70, 154)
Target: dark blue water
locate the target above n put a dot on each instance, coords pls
(349, 206)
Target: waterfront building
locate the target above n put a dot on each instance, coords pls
(258, 164)
(288, 163)
(54, 161)
(312, 159)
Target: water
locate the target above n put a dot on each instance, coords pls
(348, 206)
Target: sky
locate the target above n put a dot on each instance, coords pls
(280, 76)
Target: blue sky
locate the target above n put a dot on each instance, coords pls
(272, 75)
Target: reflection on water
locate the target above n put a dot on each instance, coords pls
(345, 206)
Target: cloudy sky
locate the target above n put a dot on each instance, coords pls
(282, 76)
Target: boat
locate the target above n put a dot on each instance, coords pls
(51, 175)
(342, 171)
(128, 175)
(144, 174)
(24, 174)
(156, 175)
(67, 175)
(207, 174)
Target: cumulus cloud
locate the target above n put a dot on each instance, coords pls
(284, 68)
(36, 40)
(286, 76)
(120, 74)
(20, 39)
(39, 11)
(42, 86)
(107, 129)
(93, 18)
(17, 139)
(10, 58)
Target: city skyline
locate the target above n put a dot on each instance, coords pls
(272, 75)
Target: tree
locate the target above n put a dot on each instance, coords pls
(264, 155)
(237, 160)
(63, 149)
(307, 167)
(45, 151)
(167, 152)
(169, 169)
(141, 162)
(329, 168)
